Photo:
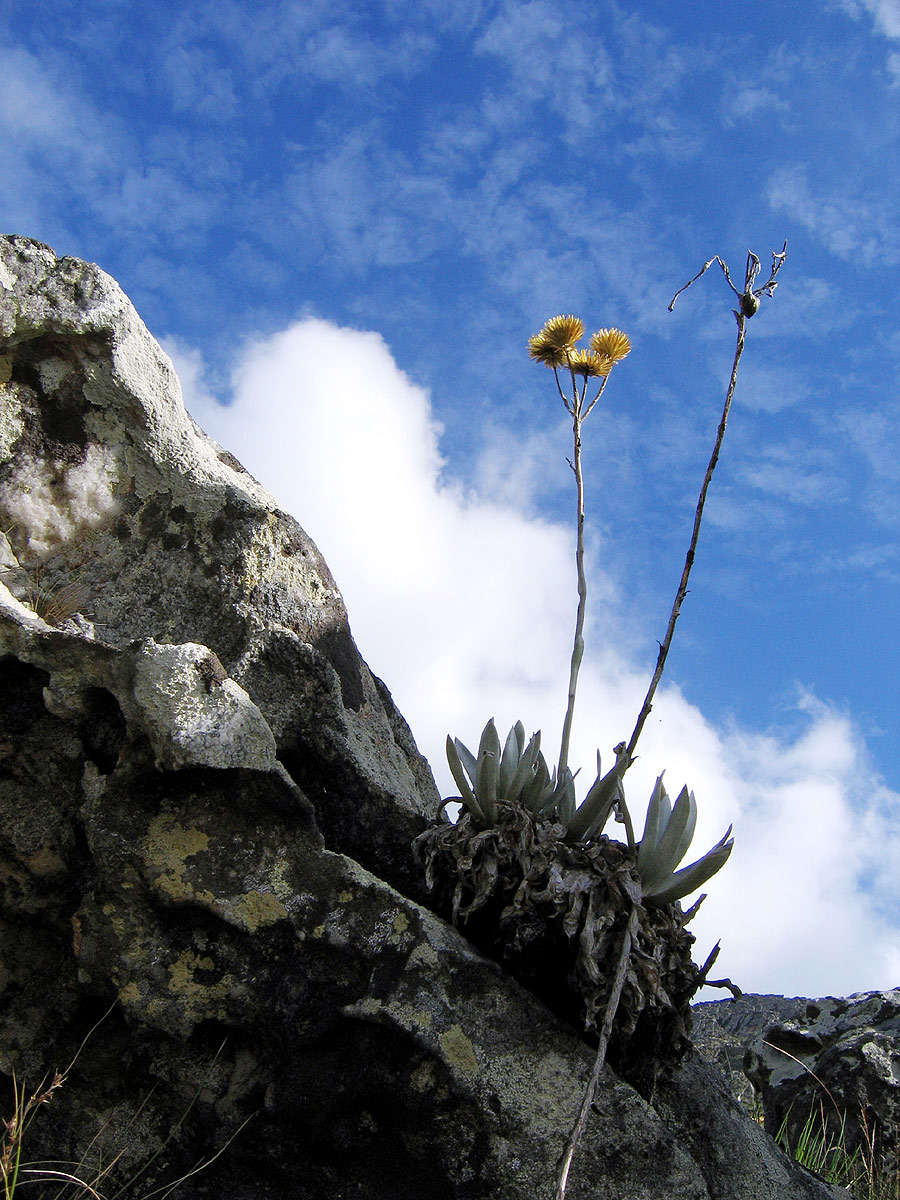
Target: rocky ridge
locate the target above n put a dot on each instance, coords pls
(835, 1057)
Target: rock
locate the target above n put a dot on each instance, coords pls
(839, 1058)
(206, 804)
(835, 1058)
(112, 498)
(724, 1028)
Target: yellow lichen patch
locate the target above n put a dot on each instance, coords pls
(401, 922)
(252, 910)
(344, 897)
(200, 1000)
(424, 954)
(77, 933)
(459, 1051)
(168, 845)
(129, 994)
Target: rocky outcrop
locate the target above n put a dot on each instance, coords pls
(723, 1029)
(206, 805)
(109, 490)
(837, 1059)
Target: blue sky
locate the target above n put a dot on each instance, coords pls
(344, 221)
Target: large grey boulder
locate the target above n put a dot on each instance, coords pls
(109, 488)
(204, 797)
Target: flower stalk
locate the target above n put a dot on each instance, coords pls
(555, 346)
(749, 301)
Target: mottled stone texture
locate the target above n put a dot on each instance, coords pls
(108, 488)
(206, 805)
(838, 1058)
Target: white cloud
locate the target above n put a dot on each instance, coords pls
(854, 224)
(43, 115)
(464, 604)
(771, 388)
(749, 101)
(884, 13)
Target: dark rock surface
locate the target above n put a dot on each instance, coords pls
(723, 1029)
(206, 804)
(837, 1058)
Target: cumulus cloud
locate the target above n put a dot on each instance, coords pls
(463, 601)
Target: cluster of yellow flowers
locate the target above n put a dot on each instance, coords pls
(554, 346)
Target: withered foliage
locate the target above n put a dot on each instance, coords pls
(554, 914)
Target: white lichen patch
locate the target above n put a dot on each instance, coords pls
(52, 506)
(191, 719)
(392, 1012)
(10, 413)
(53, 372)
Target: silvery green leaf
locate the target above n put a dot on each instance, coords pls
(566, 803)
(468, 759)
(689, 878)
(654, 822)
(520, 737)
(487, 771)
(509, 762)
(687, 835)
(660, 862)
(598, 802)
(490, 741)
(465, 792)
(551, 793)
(526, 768)
(536, 791)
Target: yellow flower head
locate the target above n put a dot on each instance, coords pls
(611, 343)
(556, 341)
(544, 352)
(585, 362)
(562, 332)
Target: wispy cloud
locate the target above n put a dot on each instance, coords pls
(885, 16)
(884, 13)
(749, 100)
(854, 224)
(771, 388)
(550, 64)
(198, 84)
(783, 477)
